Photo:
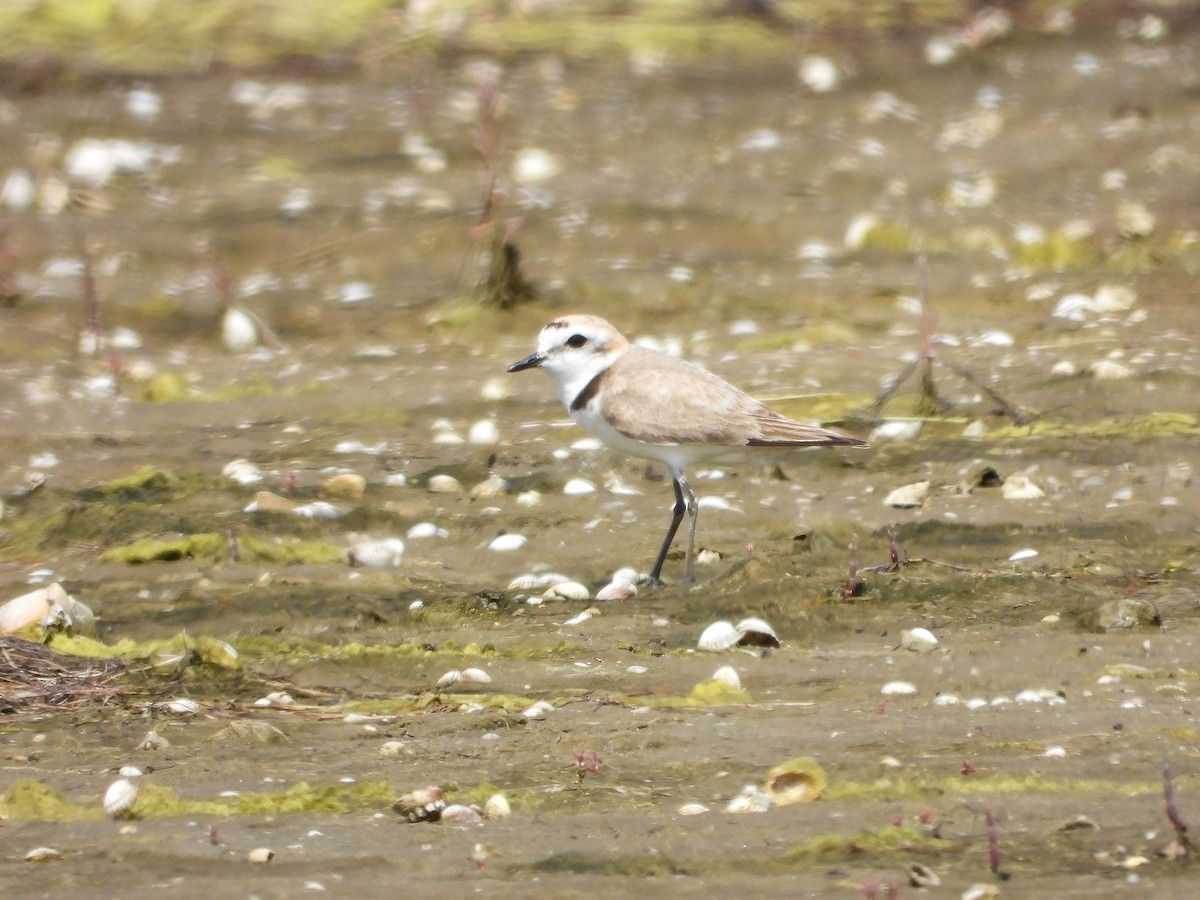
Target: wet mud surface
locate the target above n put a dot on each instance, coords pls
(709, 210)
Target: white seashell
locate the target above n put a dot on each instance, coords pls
(993, 339)
(707, 557)
(940, 50)
(712, 502)
(475, 676)
(356, 292)
(945, 700)
(898, 689)
(617, 591)
(533, 164)
(242, 471)
(538, 710)
(492, 486)
(578, 486)
(239, 330)
(1109, 370)
(497, 807)
(1027, 553)
(463, 816)
(392, 749)
(1114, 298)
(529, 498)
(506, 543)
(909, 496)
(818, 74)
(1055, 753)
(1064, 368)
(143, 104)
(42, 854)
(385, 553)
(752, 799)
(896, 430)
(183, 706)
(1019, 487)
(587, 445)
(567, 590)
(496, 389)
(154, 741)
(260, 856)
(637, 670)
(1074, 307)
(484, 433)
(318, 509)
(426, 530)
(920, 640)
(976, 703)
(756, 633)
(19, 190)
(454, 676)
(579, 619)
(444, 484)
(693, 809)
(728, 676)
(119, 797)
(47, 607)
(276, 699)
(130, 772)
(719, 636)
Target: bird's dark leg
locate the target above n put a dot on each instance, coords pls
(681, 506)
(693, 510)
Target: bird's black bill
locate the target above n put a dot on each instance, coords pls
(532, 361)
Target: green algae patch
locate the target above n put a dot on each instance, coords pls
(891, 789)
(179, 650)
(1154, 425)
(213, 547)
(712, 692)
(824, 848)
(32, 801)
(166, 387)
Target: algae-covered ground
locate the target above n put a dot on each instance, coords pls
(1009, 213)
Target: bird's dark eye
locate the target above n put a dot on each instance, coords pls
(576, 341)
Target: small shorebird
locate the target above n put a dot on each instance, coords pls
(654, 406)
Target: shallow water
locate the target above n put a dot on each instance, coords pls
(687, 202)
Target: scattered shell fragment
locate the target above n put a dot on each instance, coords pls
(239, 330)
(580, 619)
(756, 633)
(1027, 553)
(497, 807)
(484, 433)
(799, 780)
(475, 676)
(444, 484)
(896, 430)
(154, 741)
(1109, 370)
(567, 590)
(42, 854)
(422, 805)
(492, 486)
(48, 607)
(919, 640)
(693, 809)
(615, 590)
(751, 799)
(909, 496)
(578, 487)
(719, 636)
(921, 876)
(426, 530)
(898, 689)
(382, 553)
(183, 706)
(1020, 487)
(538, 710)
(242, 471)
(118, 799)
(454, 676)
(728, 676)
(260, 856)
(461, 815)
(506, 543)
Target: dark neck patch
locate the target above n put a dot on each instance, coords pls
(584, 397)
